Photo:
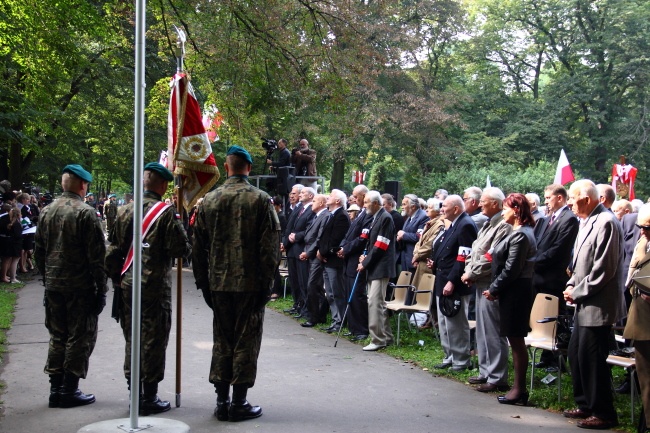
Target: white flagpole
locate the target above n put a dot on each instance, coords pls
(138, 164)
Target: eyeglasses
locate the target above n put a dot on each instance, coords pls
(642, 227)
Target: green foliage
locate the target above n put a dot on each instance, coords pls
(508, 177)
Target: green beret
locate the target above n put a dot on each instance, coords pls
(112, 195)
(160, 170)
(240, 152)
(78, 171)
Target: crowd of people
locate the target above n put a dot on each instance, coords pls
(490, 255)
(18, 218)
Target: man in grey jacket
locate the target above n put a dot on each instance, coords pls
(593, 288)
(491, 347)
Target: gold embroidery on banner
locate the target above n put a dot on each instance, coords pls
(196, 148)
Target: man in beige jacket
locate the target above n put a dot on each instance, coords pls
(638, 319)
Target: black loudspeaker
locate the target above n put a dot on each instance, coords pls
(394, 188)
(286, 179)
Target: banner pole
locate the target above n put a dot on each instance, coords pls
(180, 53)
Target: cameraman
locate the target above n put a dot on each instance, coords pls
(281, 156)
(304, 159)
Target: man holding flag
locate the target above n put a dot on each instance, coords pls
(164, 239)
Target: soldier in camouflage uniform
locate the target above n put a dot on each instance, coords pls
(69, 254)
(110, 212)
(236, 252)
(165, 240)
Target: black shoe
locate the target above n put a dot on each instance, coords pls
(153, 405)
(442, 366)
(359, 337)
(75, 398)
(221, 411)
(347, 334)
(521, 400)
(333, 330)
(542, 364)
(329, 328)
(298, 316)
(290, 310)
(308, 325)
(243, 411)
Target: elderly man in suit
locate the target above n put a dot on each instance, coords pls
(415, 220)
(316, 302)
(492, 348)
(593, 288)
(352, 246)
(379, 263)
(638, 319)
(450, 250)
(328, 247)
(472, 199)
(287, 248)
(296, 242)
(555, 236)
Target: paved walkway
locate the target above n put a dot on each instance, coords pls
(304, 383)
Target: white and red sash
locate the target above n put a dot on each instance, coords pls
(152, 215)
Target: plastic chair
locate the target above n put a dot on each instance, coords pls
(423, 298)
(284, 273)
(543, 325)
(628, 363)
(401, 288)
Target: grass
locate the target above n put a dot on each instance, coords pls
(7, 305)
(422, 349)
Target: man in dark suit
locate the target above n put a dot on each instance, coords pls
(555, 236)
(448, 263)
(328, 247)
(414, 223)
(297, 237)
(316, 302)
(287, 248)
(379, 264)
(593, 288)
(353, 244)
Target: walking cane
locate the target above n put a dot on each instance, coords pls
(354, 286)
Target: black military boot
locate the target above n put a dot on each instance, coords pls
(240, 408)
(56, 380)
(71, 395)
(150, 403)
(223, 400)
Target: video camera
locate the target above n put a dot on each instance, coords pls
(269, 146)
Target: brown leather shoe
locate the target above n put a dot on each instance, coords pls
(492, 387)
(476, 380)
(577, 413)
(595, 423)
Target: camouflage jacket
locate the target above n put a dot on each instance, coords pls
(165, 241)
(236, 239)
(70, 246)
(110, 209)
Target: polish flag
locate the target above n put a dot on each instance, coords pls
(189, 152)
(382, 242)
(563, 173)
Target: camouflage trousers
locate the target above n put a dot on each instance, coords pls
(71, 320)
(154, 337)
(109, 224)
(237, 337)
